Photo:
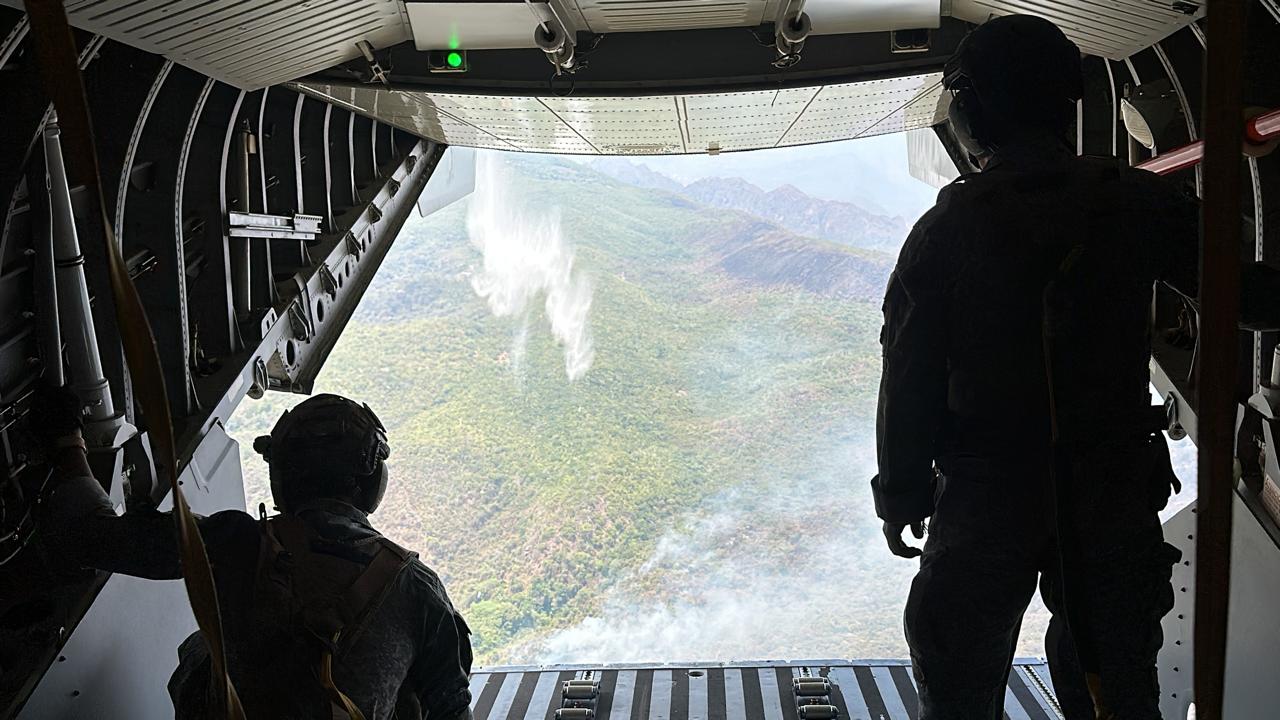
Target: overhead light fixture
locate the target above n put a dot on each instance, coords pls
(447, 61)
(1152, 114)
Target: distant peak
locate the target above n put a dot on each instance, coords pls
(634, 173)
(718, 180)
(789, 191)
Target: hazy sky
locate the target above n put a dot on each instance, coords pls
(870, 172)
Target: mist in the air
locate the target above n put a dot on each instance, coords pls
(790, 566)
(527, 266)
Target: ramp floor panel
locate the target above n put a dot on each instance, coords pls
(859, 690)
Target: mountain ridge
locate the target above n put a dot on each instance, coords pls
(787, 206)
(751, 248)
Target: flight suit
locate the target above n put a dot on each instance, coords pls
(410, 659)
(1041, 250)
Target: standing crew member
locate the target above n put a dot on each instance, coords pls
(1014, 405)
(318, 608)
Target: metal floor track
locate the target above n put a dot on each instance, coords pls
(801, 690)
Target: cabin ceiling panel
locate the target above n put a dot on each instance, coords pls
(639, 15)
(1112, 29)
(252, 44)
(873, 107)
(656, 124)
(615, 124)
(829, 16)
(246, 43)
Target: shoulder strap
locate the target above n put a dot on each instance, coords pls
(373, 585)
(365, 593)
(291, 533)
(343, 622)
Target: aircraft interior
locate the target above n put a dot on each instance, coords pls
(257, 159)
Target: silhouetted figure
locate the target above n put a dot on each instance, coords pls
(1019, 311)
(314, 584)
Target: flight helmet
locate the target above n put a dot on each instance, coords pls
(1012, 73)
(327, 447)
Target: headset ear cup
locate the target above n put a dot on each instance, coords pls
(977, 118)
(968, 122)
(279, 487)
(375, 488)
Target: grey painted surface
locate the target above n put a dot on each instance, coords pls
(1175, 658)
(118, 660)
(1253, 635)
(454, 178)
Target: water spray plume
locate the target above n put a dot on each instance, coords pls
(526, 259)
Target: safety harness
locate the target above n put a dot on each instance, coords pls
(317, 596)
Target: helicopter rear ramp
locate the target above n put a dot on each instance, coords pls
(789, 690)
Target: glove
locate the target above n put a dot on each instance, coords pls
(893, 536)
(55, 412)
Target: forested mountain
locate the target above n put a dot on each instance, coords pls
(786, 206)
(626, 425)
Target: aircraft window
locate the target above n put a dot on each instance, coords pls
(628, 420)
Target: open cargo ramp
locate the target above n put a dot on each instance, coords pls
(789, 690)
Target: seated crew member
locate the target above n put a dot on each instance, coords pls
(1019, 312)
(317, 570)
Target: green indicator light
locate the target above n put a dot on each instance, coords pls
(454, 59)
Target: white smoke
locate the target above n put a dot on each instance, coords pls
(710, 604)
(786, 565)
(527, 258)
(783, 567)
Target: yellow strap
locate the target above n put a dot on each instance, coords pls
(1100, 711)
(336, 696)
(60, 73)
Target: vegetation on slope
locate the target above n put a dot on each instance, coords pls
(545, 502)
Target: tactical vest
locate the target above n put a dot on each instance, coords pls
(315, 595)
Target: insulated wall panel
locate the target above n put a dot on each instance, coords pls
(654, 124)
(250, 44)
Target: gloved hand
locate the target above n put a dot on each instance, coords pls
(893, 535)
(56, 412)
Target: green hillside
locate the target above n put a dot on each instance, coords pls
(717, 450)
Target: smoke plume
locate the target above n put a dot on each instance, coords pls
(527, 260)
(794, 568)
(789, 565)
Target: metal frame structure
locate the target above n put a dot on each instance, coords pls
(1249, 496)
(168, 142)
(715, 60)
(254, 208)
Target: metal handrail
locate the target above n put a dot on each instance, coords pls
(1259, 130)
